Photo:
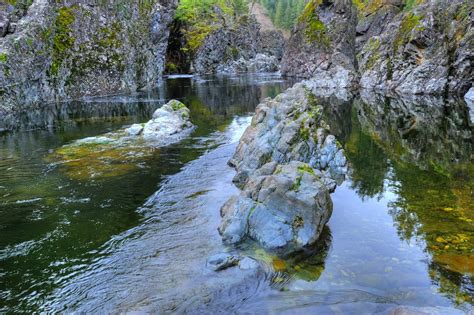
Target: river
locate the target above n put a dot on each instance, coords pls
(129, 228)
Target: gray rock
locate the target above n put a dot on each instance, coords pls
(239, 46)
(407, 51)
(261, 63)
(247, 263)
(106, 49)
(288, 128)
(327, 55)
(222, 261)
(169, 123)
(134, 130)
(287, 163)
(469, 96)
(272, 43)
(4, 22)
(283, 212)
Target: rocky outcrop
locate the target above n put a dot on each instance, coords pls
(427, 49)
(287, 164)
(239, 47)
(61, 50)
(411, 47)
(272, 43)
(169, 123)
(322, 45)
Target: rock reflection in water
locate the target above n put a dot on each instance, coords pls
(419, 150)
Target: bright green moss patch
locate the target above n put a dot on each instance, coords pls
(177, 105)
(63, 40)
(306, 168)
(3, 57)
(315, 30)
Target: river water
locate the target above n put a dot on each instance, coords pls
(107, 228)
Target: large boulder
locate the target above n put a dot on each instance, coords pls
(283, 211)
(287, 163)
(169, 124)
(289, 127)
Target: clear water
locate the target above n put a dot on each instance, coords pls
(105, 228)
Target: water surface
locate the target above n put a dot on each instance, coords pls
(100, 229)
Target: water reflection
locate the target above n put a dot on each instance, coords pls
(419, 151)
(55, 218)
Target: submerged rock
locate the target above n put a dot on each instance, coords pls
(222, 261)
(119, 152)
(287, 164)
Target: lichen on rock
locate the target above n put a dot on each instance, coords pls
(287, 164)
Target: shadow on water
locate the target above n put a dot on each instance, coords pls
(56, 219)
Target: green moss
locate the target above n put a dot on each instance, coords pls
(409, 22)
(63, 40)
(306, 168)
(171, 67)
(372, 49)
(177, 105)
(315, 30)
(296, 185)
(3, 58)
(410, 4)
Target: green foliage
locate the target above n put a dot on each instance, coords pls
(201, 17)
(315, 30)
(283, 13)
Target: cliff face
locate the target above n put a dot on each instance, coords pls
(322, 44)
(240, 41)
(412, 47)
(68, 49)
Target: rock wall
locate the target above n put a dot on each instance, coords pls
(411, 47)
(322, 45)
(427, 49)
(234, 48)
(68, 49)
